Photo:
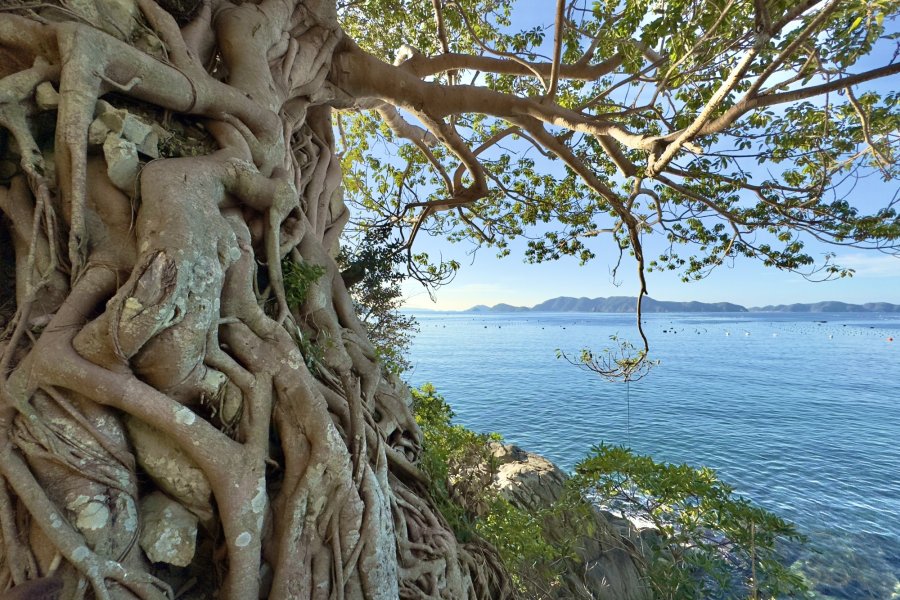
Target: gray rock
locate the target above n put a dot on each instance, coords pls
(150, 145)
(606, 565)
(171, 469)
(135, 130)
(112, 117)
(125, 125)
(121, 162)
(525, 479)
(169, 531)
(97, 132)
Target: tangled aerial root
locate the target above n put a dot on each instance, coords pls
(147, 353)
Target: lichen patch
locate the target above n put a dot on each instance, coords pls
(185, 416)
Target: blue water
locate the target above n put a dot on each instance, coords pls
(801, 416)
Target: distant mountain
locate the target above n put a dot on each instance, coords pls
(508, 308)
(626, 304)
(614, 304)
(830, 307)
(480, 308)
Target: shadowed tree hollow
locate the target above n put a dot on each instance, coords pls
(172, 173)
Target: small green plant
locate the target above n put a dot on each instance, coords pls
(520, 538)
(622, 362)
(298, 279)
(312, 353)
(708, 542)
(460, 468)
(373, 270)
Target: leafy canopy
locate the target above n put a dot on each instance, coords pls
(706, 541)
(370, 271)
(720, 128)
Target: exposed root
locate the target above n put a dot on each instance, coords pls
(151, 339)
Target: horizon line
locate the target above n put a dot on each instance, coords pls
(716, 302)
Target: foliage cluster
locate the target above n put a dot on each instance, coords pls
(299, 278)
(372, 270)
(460, 468)
(708, 542)
(621, 362)
(780, 84)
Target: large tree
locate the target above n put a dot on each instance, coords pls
(180, 344)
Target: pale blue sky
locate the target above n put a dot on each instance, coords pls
(489, 280)
(485, 279)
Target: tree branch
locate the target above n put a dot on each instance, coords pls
(363, 76)
(748, 104)
(882, 160)
(423, 66)
(686, 135)
(557, 49)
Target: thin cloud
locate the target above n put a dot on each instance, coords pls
(871, 265)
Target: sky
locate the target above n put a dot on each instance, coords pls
(486, 279)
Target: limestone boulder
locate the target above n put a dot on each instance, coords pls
(121, 163)
(168, 532)
(171, 469)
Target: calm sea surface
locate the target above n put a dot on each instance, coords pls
(800, 412)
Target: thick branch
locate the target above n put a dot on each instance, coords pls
(557, 48)
(364, 76)
(423, 66)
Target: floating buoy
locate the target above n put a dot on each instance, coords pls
(890, 339)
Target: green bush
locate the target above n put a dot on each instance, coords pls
(373, 270)
(709, 543)
(460, 468)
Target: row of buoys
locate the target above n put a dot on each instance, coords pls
(727, 332)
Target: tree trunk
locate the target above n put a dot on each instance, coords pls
(172, 420)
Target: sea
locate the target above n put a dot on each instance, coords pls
(800, 412)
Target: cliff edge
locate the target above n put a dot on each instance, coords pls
(606, 562)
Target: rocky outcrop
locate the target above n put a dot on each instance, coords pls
(122, 136)
(607, 563)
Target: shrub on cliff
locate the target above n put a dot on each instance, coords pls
(460, 467)
(708, 542)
